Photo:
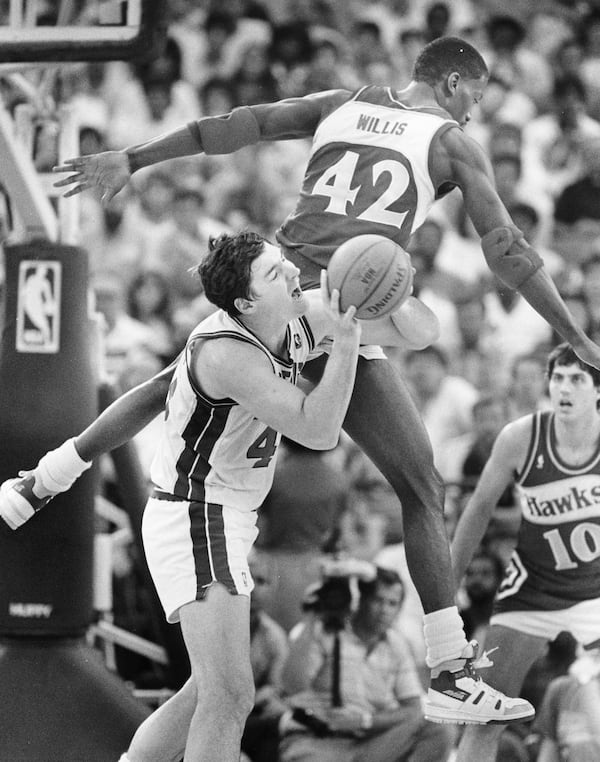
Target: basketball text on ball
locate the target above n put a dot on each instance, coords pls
(375, 310)
(372, 273)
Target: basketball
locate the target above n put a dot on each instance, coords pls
(372, 273)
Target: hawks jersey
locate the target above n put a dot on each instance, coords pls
(213, 450)
(556, 562)
(368, 173)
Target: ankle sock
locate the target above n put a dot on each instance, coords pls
(444, 636)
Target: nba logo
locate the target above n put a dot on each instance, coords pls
(38, 306)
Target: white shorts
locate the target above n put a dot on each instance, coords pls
(582, 620)
(189, 546)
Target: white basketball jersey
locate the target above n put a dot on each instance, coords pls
(213, 450)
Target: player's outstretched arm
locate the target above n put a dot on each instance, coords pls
(461, 160)
(508, 454)
(21, 497)
(110, 171)
(125, 417)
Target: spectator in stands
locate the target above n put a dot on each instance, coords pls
(437, 21)
(437, 288)
(379, 716)
(527, 390)
(515, 328)
(298, 516)
(577, 210)
(474, 358)
(253, 80)
(482, 578)
(509, 56)
(268, 653)
(568, 721)
(182, 242)
(552, 142)
(149, 301)
(444, 401)
(123, 333)
(153, 103)
(290, 54)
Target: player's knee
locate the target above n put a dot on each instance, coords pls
(235, 691)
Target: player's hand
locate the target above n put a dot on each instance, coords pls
(345, 324)
(108, 171)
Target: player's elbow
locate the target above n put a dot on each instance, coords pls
(428, 334)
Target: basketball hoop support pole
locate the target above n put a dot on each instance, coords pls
(23, 185)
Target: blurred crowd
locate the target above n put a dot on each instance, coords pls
(539, 122)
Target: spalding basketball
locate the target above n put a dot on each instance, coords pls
(372, 273)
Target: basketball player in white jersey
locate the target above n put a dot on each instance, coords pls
(380, 159)
(233, 392)
(552, 582)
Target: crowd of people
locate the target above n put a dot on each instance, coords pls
(539, 124)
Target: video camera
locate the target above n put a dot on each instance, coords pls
(335, 598)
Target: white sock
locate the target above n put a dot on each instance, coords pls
(124, 758)
(58, 469)
(444, 636)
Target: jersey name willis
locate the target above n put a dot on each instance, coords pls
(368, 173)
(213, 450)
(556, 562)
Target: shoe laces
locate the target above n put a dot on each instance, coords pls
(476, 662)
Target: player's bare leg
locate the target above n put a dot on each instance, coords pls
(384, 422)
(161, 737)
(516, 652)
(217, 635)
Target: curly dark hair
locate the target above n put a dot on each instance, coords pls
(445, 55)
(226, 271)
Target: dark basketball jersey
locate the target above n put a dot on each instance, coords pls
(368, 173)
(556, 562)
(213, 450)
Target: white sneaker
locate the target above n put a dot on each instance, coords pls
(457, 695)
(18, 501)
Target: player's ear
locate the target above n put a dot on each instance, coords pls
(452, 82)
(243, 305)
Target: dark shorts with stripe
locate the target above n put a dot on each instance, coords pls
(189, 546)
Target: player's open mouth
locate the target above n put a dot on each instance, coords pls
(297, 293)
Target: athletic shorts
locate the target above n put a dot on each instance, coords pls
(191, 545)
(582, 620)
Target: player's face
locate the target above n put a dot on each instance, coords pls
(572, 392)
(275, 282)
(467, 94)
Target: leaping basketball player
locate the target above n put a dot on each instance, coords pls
(380, 159)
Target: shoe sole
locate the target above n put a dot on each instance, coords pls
(444, 717)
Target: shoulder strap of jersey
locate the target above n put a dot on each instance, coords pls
(536, 431)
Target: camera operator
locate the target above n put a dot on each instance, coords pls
(352, 680)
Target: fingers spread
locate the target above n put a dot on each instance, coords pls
(68, 180)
